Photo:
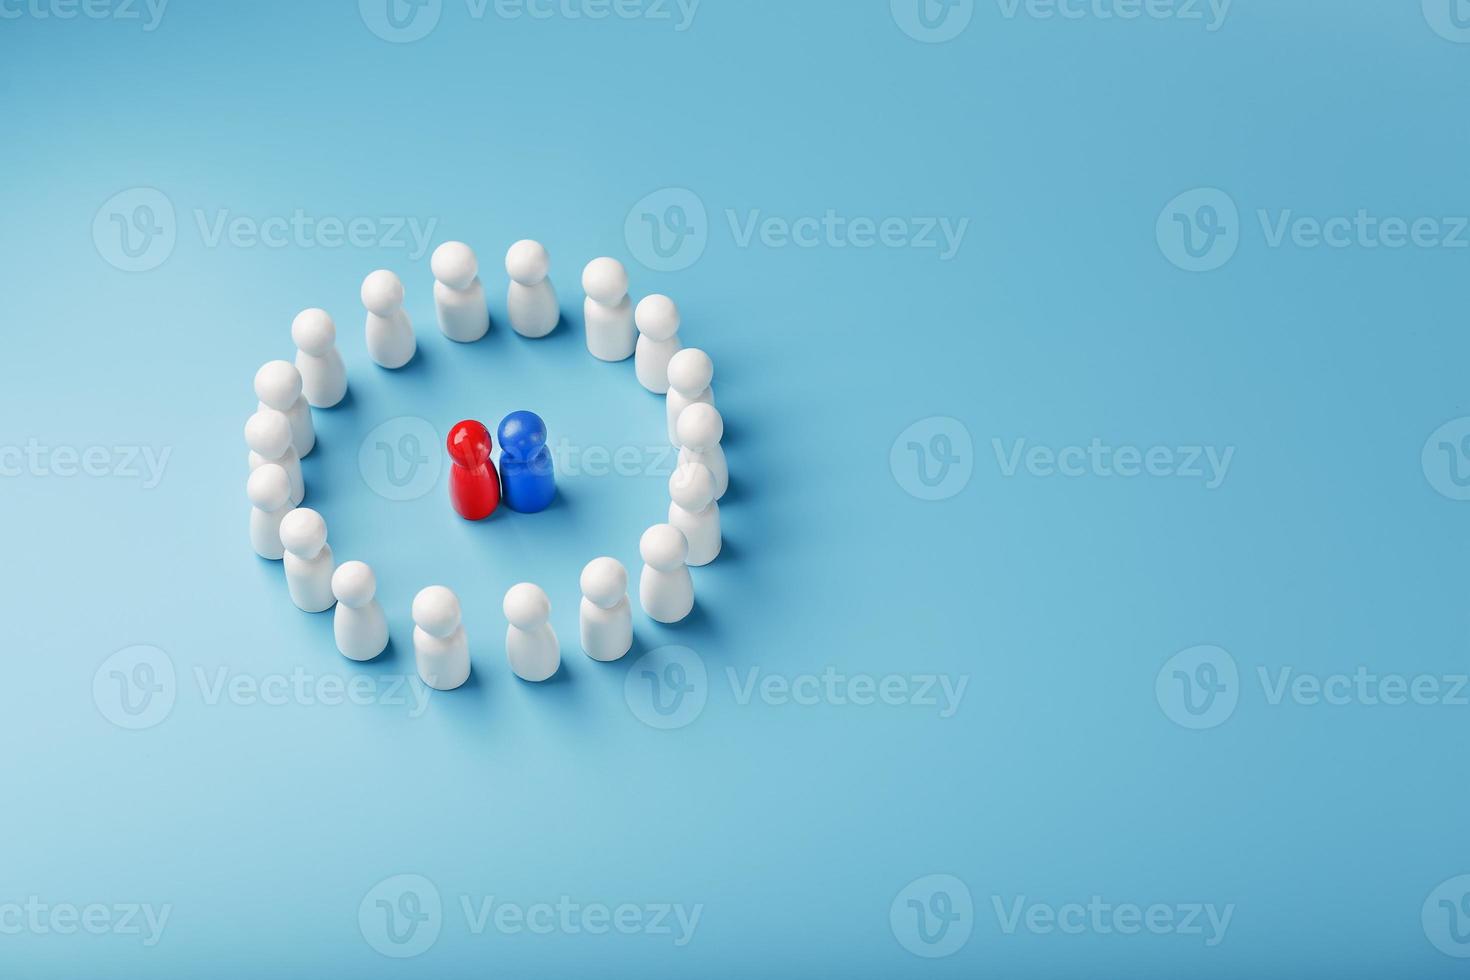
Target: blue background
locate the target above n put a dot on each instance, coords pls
(1060, 319)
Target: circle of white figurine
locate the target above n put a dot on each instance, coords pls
(608, 312)
(309, 564)
(268, 434)
(606, 615)
(459, 298)
(690, 372)
(278, 386)
(657, 319)
(390, 339)
(530, 299)
(323, 372)
(441, 650)
(269, 490)
(700, 429)
(281, 432)
(531, 646)
(693, 510)
(359, 626)
(666, 588)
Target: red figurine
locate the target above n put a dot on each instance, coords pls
(474, 486)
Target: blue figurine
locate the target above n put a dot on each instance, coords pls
(527, 482)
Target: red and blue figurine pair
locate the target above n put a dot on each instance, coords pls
(526, 480)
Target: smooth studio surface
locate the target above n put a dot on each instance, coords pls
(1092, 594)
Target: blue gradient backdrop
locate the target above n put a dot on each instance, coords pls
(155, 163)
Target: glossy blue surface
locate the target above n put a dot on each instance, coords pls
(1092, 600)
